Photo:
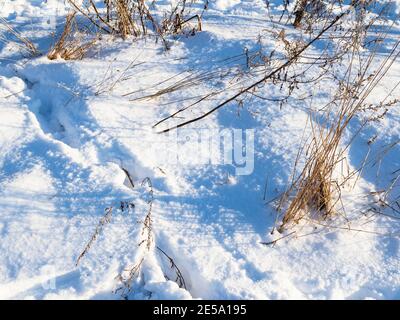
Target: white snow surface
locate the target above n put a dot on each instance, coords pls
(65, 134)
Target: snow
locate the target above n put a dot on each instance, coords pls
(225, 4)
(67, 128)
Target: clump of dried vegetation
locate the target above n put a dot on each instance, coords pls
(72, 44)
(135, 18)
(316, 192)
(124, 18)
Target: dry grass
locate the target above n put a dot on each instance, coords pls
(70, 45)
(134, 18)
(103, 221)
(314, 188)
(23, 43)
(129, 274)
(146, 244)
(125, 24)
(316, 191)
(123, 18)
(180, 280)
(177, 23)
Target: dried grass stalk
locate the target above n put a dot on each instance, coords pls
(106, 219)
(69, 46)
(125, 23)
(314, 191)
(25, 42)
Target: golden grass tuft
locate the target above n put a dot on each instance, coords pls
(70, 46)
(315, 192)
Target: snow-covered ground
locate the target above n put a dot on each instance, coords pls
(69, 132)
